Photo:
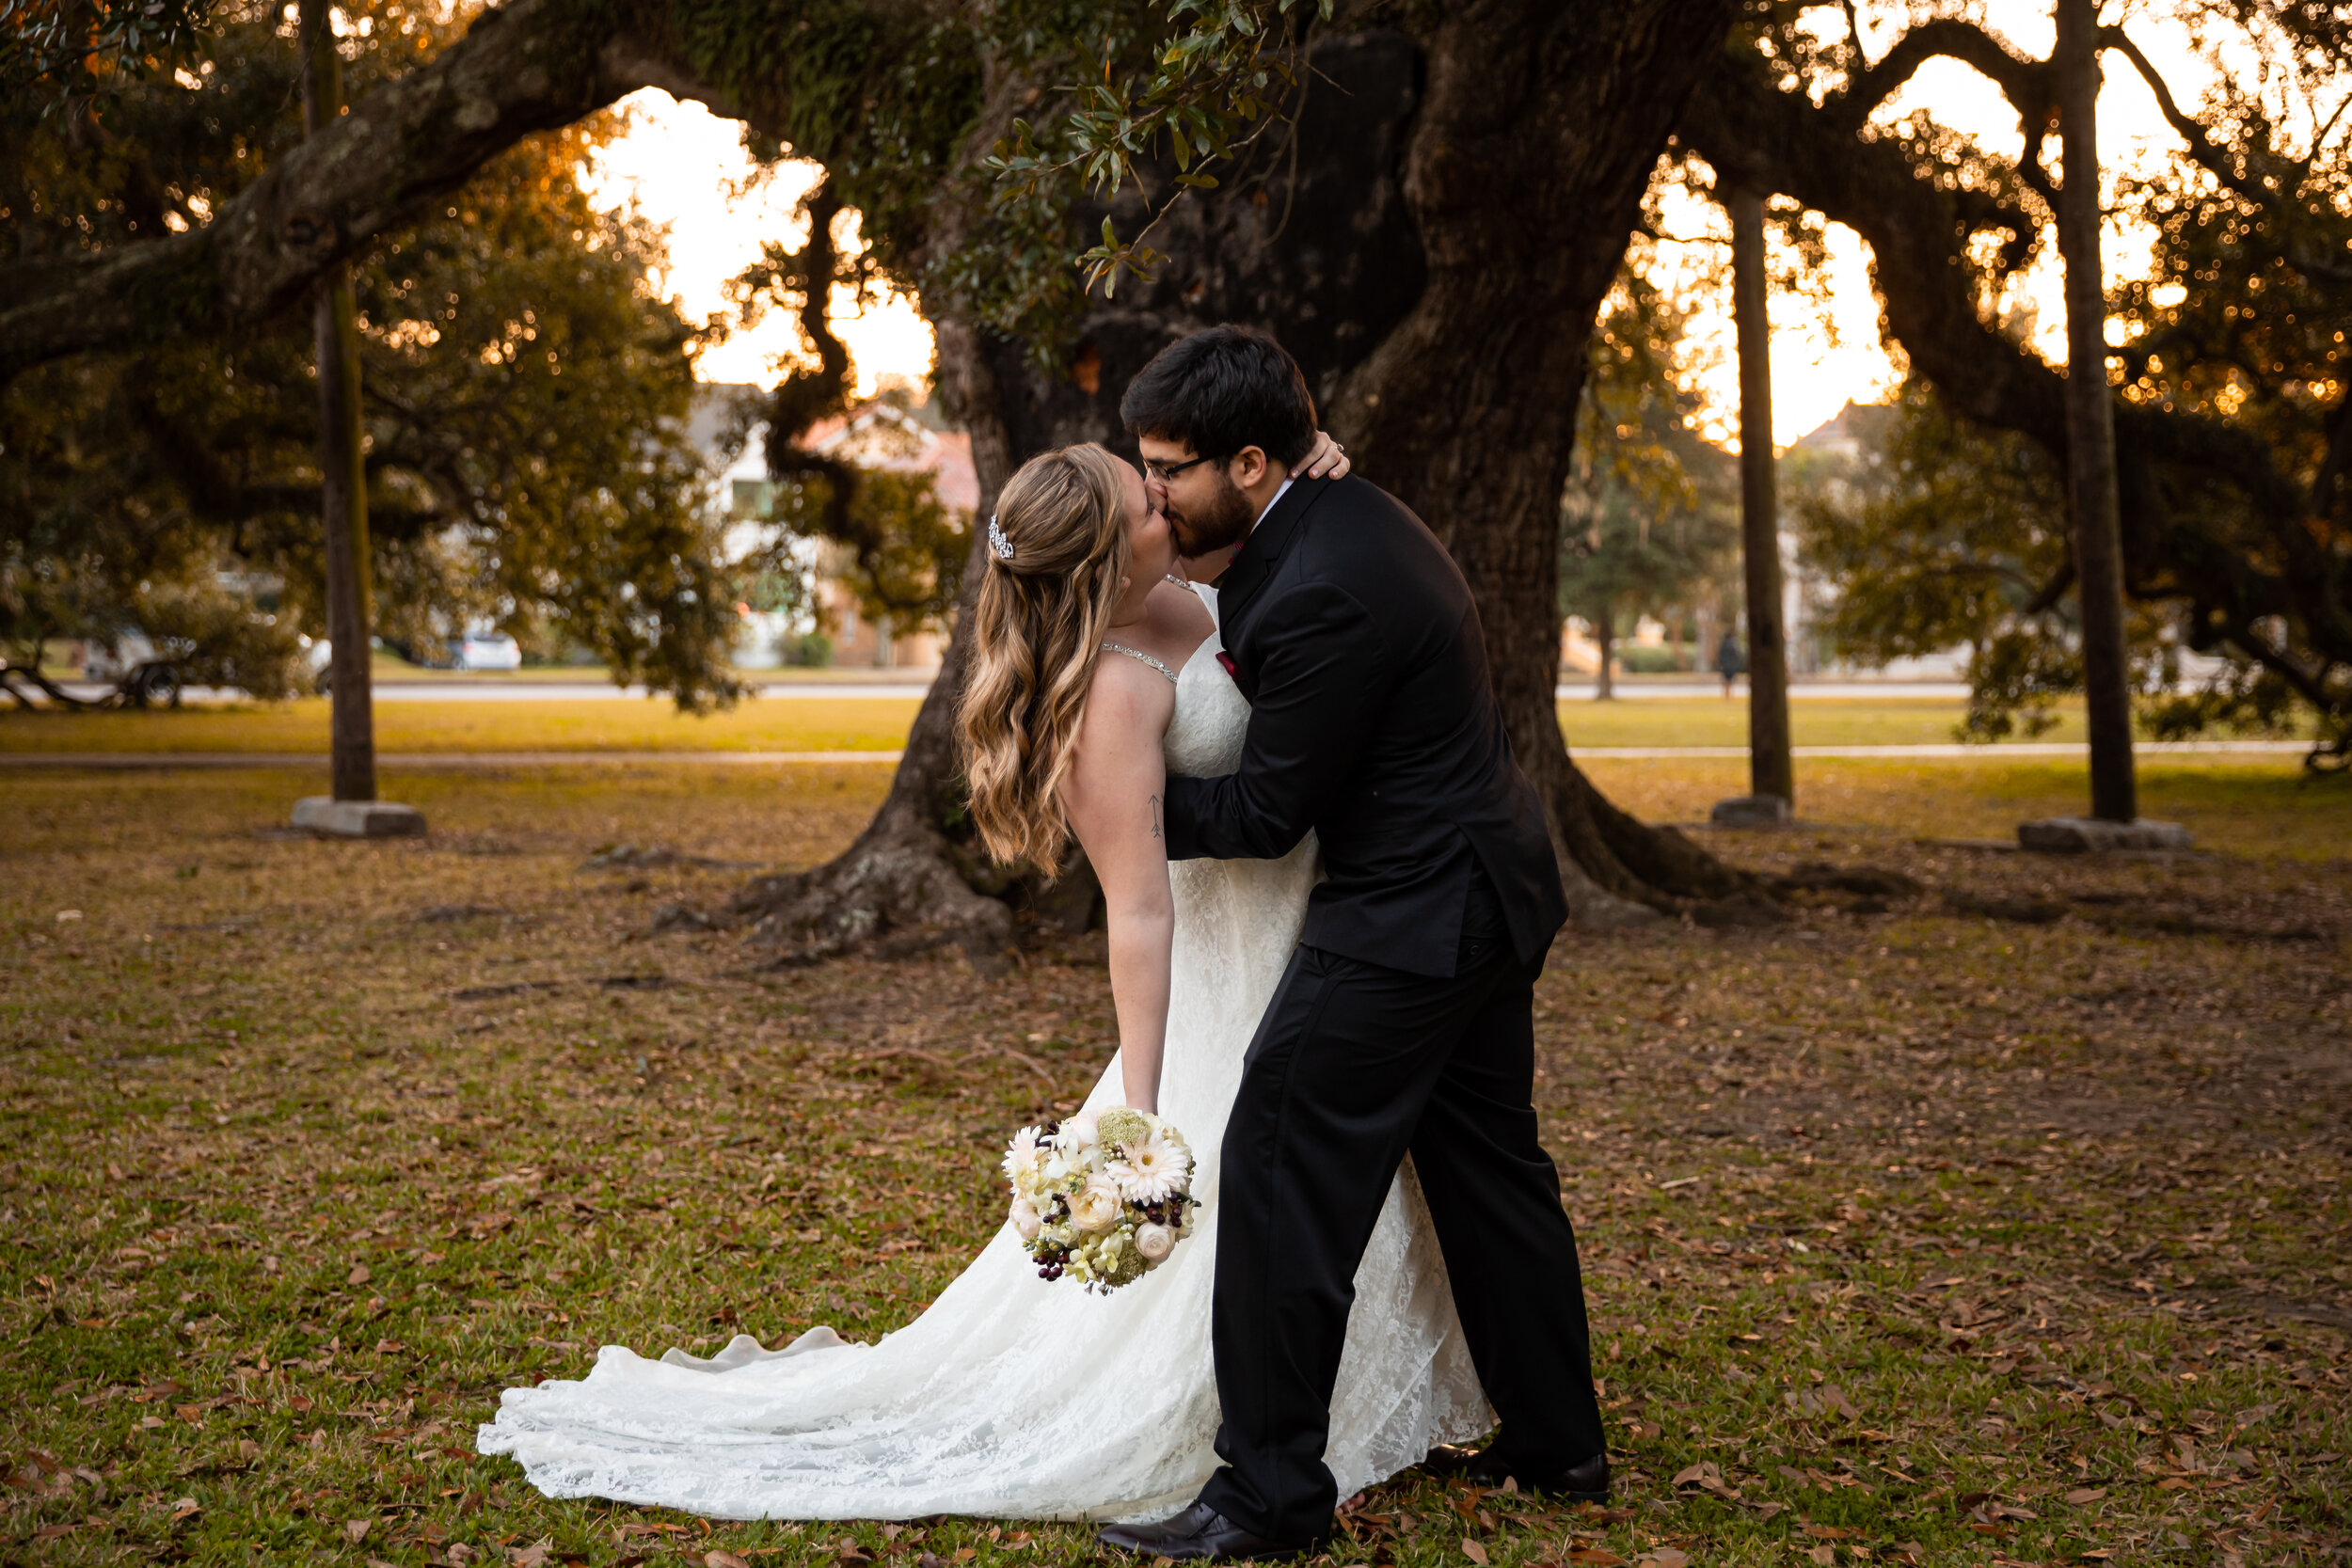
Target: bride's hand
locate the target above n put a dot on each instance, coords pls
(1327, 461)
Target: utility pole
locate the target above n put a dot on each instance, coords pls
(2091, 488)
(351, 810)
(1771, 775)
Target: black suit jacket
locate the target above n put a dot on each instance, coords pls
(1354, 635)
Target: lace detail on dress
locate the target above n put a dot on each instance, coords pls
(969, 1408)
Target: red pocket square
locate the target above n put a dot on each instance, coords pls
(1227, 659)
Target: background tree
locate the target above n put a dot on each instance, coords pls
(2234, 419)
(524, 399)
(1939, 534)
(1649, 520)
(1771, 772)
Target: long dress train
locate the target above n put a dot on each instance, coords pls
(1010, 1397)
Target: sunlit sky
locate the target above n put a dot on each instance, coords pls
(683, 167)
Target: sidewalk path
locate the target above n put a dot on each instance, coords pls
(916, 683)
(491, 760)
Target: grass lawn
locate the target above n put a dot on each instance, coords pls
(766, 725)
(783, 724)
(1912, 1236)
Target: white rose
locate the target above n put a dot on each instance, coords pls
(1025, 1218)
(1096, 1205)
(1154, 1242)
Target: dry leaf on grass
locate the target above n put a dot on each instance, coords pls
(356, 1531)
(1475, 1552)
(724, 1559)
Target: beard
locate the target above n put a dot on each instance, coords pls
(1225, 521)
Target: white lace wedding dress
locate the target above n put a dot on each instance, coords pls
(1010, 1397)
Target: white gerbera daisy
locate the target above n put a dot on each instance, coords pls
(1153, 1171)
(1022, 1158)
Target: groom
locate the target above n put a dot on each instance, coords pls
(1404, 1023)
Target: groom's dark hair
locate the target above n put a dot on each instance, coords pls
(1223, 389)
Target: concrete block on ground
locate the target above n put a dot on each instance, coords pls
(1750, 811)
(324, 814)
(2090, 835)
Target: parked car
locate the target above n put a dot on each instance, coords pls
(140, 672)
(113, 666)
(484, 650)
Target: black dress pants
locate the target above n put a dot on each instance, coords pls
(1354, 1066)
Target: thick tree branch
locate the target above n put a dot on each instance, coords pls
(2026, 83)
(530, 66)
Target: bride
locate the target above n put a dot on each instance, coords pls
(1095, 675)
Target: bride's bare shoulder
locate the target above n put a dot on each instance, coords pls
(1177, 614)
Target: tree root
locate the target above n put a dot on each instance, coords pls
(895, 892)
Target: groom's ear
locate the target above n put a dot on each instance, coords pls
(1248, 465)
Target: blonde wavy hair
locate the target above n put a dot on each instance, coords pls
(1037, 638)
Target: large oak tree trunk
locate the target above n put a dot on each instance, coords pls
(1431, 241)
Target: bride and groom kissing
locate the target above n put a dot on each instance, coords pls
(1329, 893)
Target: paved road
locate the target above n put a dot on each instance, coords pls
(492, 760)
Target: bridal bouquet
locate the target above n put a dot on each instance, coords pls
(1104, 1199)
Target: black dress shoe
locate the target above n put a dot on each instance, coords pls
(1200, 1534)
(1585, 1483)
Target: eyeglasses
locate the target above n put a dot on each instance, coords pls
(1166, 471)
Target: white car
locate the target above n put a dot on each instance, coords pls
(484, 650)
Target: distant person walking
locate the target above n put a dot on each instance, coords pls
(1730, 660)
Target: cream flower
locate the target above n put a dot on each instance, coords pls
(1154, 1242)
(1021, 1160)
(1077, 1137)
(1153, 1171)
(1025, 1219)
(1096, 1206)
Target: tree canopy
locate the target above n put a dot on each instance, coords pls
(2233, 384)
(525, 397)
(1433, 214)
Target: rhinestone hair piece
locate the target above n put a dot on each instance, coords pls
(997, 542)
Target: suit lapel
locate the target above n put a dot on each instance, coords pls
(1262, 550)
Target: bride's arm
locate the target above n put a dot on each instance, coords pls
(1113, 795)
